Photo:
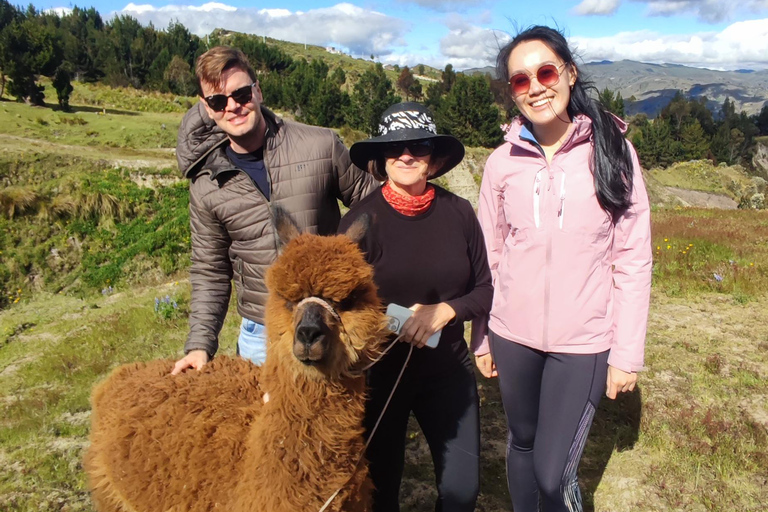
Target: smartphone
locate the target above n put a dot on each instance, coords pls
(398, 315)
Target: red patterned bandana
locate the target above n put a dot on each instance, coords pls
(408, 205)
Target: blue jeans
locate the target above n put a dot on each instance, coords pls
(252, 343)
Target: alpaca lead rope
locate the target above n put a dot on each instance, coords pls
(373, 430)
(325, 305)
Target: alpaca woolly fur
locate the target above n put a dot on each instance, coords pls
(205, 441)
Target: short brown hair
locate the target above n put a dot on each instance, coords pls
(213, 63)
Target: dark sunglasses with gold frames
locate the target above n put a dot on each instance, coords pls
(218, 102)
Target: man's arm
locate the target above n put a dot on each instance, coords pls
(211, 278)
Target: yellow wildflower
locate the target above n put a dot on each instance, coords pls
(669, 247)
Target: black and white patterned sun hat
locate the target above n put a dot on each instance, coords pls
(404, 122)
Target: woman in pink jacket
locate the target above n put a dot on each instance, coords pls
(566, 222)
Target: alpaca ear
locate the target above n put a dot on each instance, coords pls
(285, 226)
(359, 227)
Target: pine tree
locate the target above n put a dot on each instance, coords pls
(448, 78)
(612, 103)
(63, 86)
(179, 77)
(761, 120)
(373, 94)
(468, 113)
(693, 141)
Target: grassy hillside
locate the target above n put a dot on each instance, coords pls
(354, 66)
(94, 237)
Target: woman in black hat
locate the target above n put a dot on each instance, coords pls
(428, 255)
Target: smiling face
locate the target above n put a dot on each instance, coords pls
(408, 173)
(544, 107)
(244, 123)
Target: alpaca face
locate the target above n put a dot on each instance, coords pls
(340, 325)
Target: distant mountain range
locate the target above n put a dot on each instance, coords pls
(653, 85)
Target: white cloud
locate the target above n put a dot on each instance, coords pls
(741, 45)
(596, 7)
(359, 31)
(444, 5)
(708, 11)
(59, 11)
(468, 46)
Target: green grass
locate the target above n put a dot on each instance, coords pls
(699, 250)
(126, 99)
(702, 176)
(85, 126)
(78, 226)
(47, 371)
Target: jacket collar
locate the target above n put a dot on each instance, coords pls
(201, 142)
(519, 133)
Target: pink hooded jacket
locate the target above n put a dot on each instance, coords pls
(566, 278)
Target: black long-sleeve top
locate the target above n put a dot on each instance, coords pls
(437, 256)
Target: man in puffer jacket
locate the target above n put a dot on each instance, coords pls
(241, 159)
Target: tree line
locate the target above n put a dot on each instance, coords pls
(686, 129)
(121, 52)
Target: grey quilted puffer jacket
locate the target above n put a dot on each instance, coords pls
(231, 226)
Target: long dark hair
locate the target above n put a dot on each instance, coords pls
(611, 157)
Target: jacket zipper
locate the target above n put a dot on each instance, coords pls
(547, 262)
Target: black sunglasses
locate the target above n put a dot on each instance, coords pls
(415, 148)
(218, 102)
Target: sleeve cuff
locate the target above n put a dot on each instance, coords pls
(624, 365)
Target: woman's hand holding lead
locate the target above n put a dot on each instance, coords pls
(426, 321)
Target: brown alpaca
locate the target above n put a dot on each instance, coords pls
(204, 440)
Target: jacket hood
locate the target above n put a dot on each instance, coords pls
(199, 136)
(582, 130)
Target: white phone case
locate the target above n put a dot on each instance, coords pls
(398, 315)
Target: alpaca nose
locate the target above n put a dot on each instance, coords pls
(309, 334)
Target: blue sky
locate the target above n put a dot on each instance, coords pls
(718, 34)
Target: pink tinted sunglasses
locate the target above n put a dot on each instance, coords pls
(547, 75)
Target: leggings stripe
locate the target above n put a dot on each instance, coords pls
(570, 486)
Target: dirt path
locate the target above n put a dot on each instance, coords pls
(702, 199)
(119, 157)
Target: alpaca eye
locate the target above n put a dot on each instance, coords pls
(351, 300)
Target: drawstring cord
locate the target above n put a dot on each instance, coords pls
(537, 198)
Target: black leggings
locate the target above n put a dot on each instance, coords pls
(446, 408)
(550, 400)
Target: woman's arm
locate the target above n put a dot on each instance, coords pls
(632, 263)
(491, 222)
